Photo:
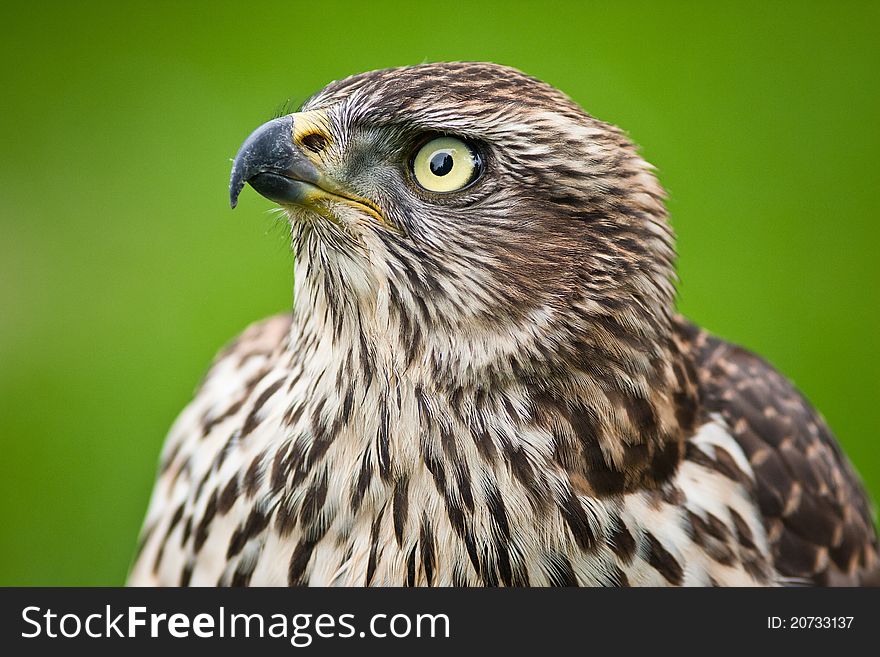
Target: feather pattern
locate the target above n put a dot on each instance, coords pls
(492, 387)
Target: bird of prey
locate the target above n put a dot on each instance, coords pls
(483, 380)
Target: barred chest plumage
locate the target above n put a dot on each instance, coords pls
(316, 474)
(483, 380)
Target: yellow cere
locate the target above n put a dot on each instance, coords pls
(444, 164)
(309, 125)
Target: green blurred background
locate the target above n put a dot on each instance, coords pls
(122, 269)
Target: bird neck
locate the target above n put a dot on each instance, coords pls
(607, 402)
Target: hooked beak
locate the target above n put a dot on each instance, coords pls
(269, 162)
(273, 164)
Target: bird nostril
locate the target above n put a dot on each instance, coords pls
(315, 142)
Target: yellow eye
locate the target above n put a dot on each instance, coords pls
(445, 164)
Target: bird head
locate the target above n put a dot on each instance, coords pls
(479, 206)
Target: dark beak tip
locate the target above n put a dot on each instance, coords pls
(234, 191)
(236, 181)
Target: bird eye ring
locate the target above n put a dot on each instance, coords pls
(445, 164)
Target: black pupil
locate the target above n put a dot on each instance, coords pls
(441, 163)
